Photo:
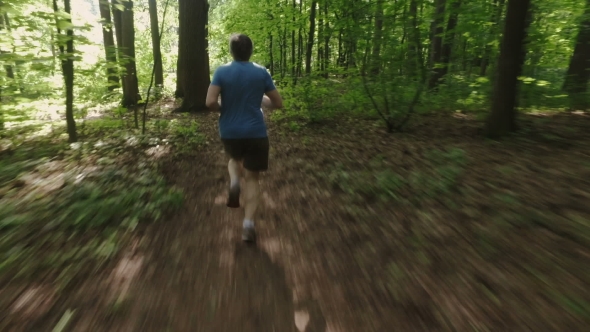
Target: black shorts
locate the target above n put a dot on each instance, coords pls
(253, 151)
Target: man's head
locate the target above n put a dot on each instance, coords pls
(240, 47)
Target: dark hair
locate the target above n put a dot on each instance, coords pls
(240, 47)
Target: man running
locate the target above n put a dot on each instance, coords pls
(243, 86)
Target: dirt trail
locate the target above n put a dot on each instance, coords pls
(196, 274)
(328, 260)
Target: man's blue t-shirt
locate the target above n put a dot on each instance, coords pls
(243, 85)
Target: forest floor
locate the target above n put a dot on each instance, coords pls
(433, 229)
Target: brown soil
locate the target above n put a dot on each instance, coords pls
(503, 248)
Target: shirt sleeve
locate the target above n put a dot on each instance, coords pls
(269, 85)
(216, 78)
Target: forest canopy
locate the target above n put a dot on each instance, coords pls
(369, 58)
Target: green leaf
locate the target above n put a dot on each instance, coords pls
(64, 25)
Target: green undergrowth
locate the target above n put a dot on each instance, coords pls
(66, 206)
(380, 183)
(318, 100)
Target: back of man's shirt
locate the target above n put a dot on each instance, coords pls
(243, 85)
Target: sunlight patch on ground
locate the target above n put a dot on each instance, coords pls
(268, 201)
(122, 276)
(45, 126)
(220, 199)
(43, 184)
(34, 302)
(301, 319)
(272, 247)
(158, 151)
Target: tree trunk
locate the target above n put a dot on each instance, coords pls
(284, 67)
(159, 72)
(353, 34)
(7, 67)
(280, 62)
(117, 20)
(310, 38)
(117, 8)
(327, 34)
(12, 72)
(502, 119)
(414, 32)
(293, 54)
(377, 36)
(319, 60)
(130, 85)
(340, 57)
(180, 72)
(109, 45)
(271, 55)
(9, 74)
(403, 39)
(67, 67)
(193, 57)
(437, 41)
(441, 70)
(578, 73)
(300, 44)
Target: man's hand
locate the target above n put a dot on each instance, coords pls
(266, 103)
(212, 101)
(272, 100)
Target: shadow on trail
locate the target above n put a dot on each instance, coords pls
(259, 299)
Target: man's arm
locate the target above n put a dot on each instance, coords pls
(213, 97)
(272, 100)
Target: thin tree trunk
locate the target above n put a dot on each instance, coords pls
(464, 55)
(130, 86)
(578, 73)
(319, 60)
(118, 23)
(413, 48)
(404, 38)
(300, 44)
(154, 28)
(285, 45)
(442, 70)
(270, 54)
(13, 72)
(53, 50)
(109, 45)
(377, 37)
(502, 119)
(310, 37)
(293, 54)
(437, 41)
(67, 67)
(9, 74)
(340, 58)
(7, 67)
(179, 93)
(327, 35)
(282, 46)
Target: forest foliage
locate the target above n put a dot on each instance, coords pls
(329, 57)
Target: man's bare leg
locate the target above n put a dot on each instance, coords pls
(234, 168)
(251, 200)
